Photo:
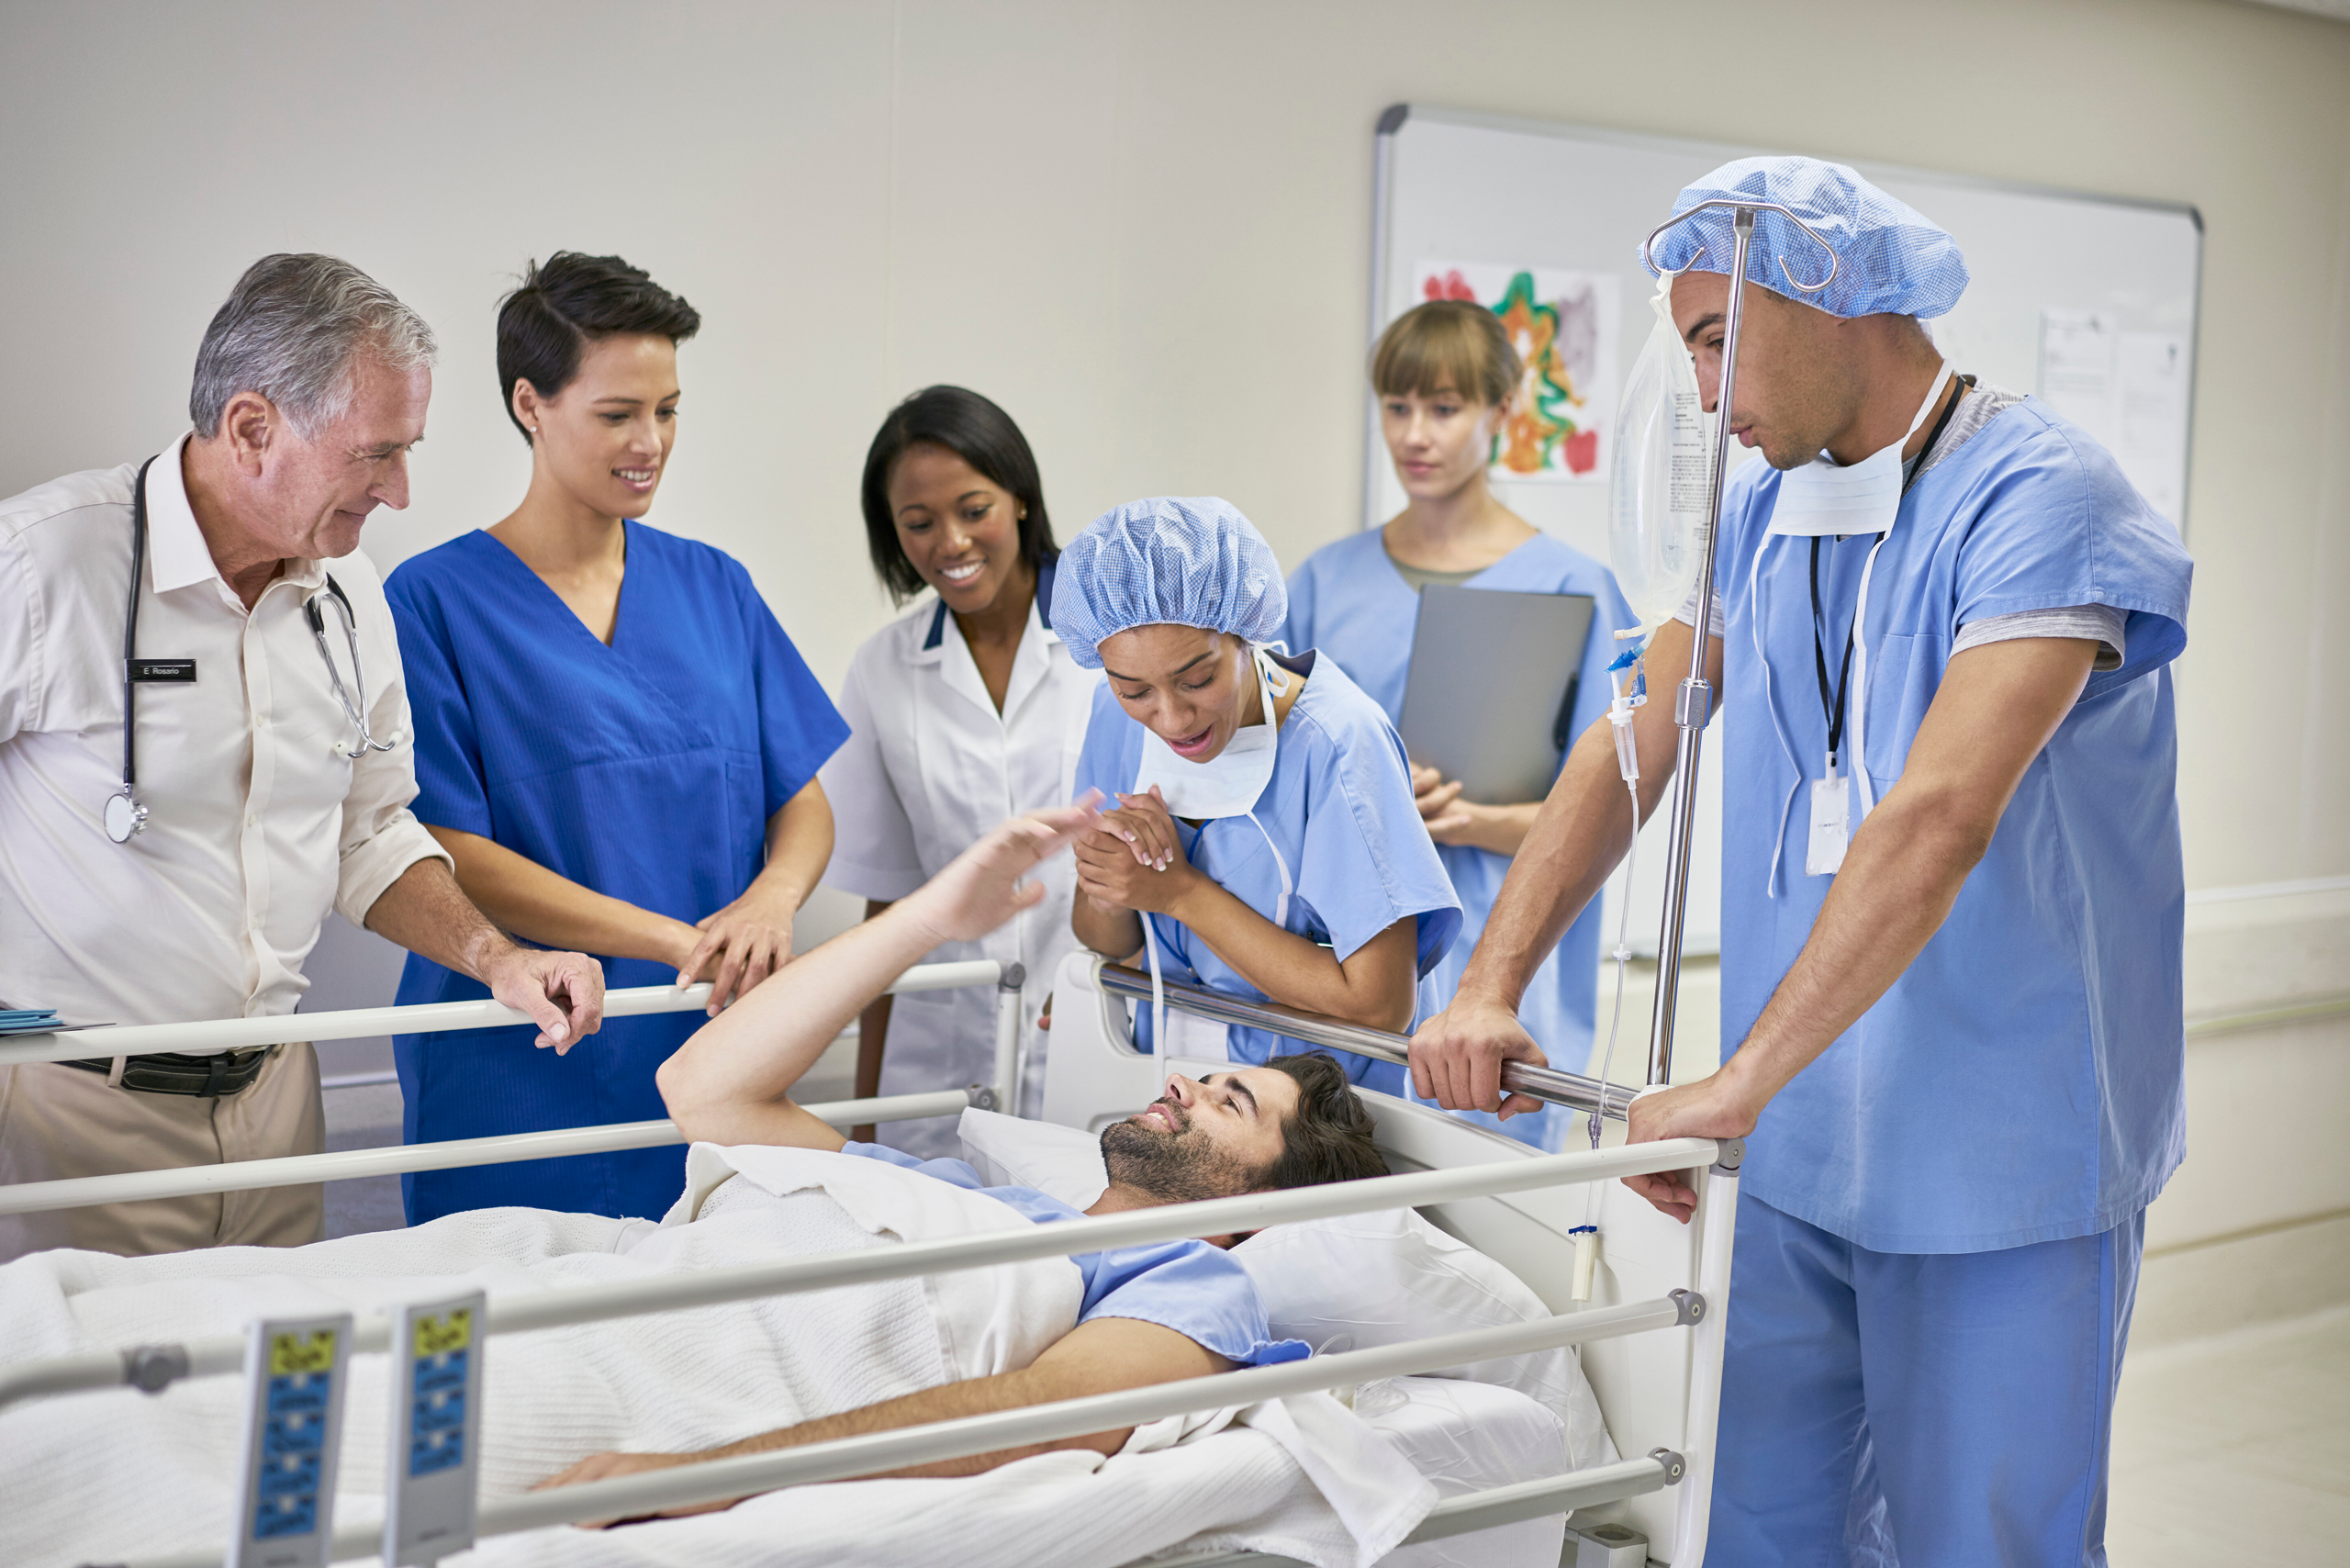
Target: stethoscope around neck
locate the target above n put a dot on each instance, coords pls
(125, 814)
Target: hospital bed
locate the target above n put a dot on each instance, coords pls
(1649, 1336)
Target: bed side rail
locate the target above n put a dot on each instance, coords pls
(1612, 1100)
(361, 1023)
(1214, 1217)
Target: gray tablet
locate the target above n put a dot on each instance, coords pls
(1490, 697)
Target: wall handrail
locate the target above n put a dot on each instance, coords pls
(360, 1022)
(1613, 1100)
(1135, 1228)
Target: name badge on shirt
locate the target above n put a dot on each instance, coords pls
(1832, 819)
(151, 670)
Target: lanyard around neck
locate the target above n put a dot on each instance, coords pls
(1831, 699)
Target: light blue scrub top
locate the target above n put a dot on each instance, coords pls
(1188, 1286)
(1339, 804)
(1347, 599)
(2022, 1080)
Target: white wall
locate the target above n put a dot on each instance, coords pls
(1143, 228)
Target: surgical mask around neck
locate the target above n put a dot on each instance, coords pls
(1822, 497)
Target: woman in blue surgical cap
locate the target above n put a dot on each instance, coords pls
(1264, 840)
(1446, 375)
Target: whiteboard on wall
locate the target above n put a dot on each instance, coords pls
(2085, 300)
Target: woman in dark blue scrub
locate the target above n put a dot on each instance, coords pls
(615, 740)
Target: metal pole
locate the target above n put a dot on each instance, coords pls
(1692, 704)
(1008, 1054)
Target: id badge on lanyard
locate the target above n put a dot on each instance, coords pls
(1831, 823)
(1831, 796)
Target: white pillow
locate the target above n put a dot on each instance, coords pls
(1360, 1282)
(1353, 1283)
(1060, 1162)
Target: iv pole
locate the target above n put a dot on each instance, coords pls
(1692, 701)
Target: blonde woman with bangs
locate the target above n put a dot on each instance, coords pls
(1446, 374)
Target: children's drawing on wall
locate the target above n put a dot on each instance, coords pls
(1563, 325)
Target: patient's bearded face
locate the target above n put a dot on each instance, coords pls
(1175, 1166)
(1210, 1139)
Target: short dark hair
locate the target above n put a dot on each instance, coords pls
(568, 301)
(1328, 1137)
(982, 435)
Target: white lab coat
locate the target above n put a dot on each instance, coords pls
(929, 767)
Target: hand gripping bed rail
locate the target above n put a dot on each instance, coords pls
(1612, 1100)
(713, 1480)
(1215, 1217)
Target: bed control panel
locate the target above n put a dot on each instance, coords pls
(295, 1373)
(435, 1402)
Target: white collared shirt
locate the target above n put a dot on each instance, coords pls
(257, 824)
(928, 768)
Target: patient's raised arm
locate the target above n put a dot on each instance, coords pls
(731, 1083)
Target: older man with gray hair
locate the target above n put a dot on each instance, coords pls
(190, 784)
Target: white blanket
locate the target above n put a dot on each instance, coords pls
(1243, 1489)
(120, 1473)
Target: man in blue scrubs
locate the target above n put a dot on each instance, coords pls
(1951, 907)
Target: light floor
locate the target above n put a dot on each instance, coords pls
(2236, 1449)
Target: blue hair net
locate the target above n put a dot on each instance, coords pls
(1893, 261)
(1171, 560)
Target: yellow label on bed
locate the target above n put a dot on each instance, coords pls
(301, 1353)
(449, 1331)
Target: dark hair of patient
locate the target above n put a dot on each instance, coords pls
(1328, 1137)
(568, 301)
(982, 435)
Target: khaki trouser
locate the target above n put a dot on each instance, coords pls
(57, 1122)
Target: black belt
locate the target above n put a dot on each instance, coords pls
(168, 1072)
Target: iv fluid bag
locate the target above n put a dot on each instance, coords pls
(1660, 485)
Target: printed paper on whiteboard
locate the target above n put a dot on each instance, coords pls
(1563, 325)
(2128, 390)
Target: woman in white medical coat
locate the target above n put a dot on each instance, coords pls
(963, 711)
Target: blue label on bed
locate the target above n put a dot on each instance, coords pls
(437, 1412)
(293, 1443)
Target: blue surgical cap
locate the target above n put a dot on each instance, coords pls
(1171, 560)
(1893, 259)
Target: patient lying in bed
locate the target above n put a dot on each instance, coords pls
(765, 1179)
(1147, 1314)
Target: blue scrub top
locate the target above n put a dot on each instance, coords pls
(1339, 804)
(646, 770)
(2022, 1080)
(1188, 1286)
(1348, 600)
